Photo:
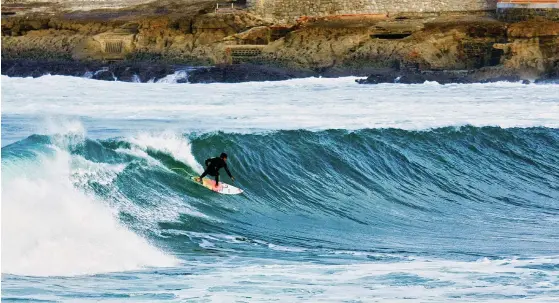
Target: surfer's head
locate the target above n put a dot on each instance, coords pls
(223, 156)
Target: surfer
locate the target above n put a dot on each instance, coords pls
(213, 165)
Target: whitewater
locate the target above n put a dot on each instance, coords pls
(353, 193)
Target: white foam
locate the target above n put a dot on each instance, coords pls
(313, 103)
(416, 280)
(101, 173)
(285, 248)
(65, 132)
(137, 152)
(175, 77)
(84, 172)
(169, 142)
(49, 227)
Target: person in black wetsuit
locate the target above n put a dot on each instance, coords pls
(213, 165)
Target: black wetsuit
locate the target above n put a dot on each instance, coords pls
(213, 165)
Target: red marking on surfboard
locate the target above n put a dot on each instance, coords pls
(212, 184)
(222, 188)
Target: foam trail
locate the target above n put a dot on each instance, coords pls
(51, 228)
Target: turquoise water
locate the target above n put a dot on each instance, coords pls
(421, 193)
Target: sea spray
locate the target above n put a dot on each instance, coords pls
(50, 227)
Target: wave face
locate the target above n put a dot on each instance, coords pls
(447, 192)
(481, 191)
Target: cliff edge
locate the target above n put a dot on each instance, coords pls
(147, 40)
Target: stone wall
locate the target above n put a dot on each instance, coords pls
(514, 12)
(523, 14)
(276, 10)
(289, 10)
(75, 4)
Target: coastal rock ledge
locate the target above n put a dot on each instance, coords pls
(144, 41)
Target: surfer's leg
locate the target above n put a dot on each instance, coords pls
(216, 180)
(203, 175)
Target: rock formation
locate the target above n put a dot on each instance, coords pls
(151, 39)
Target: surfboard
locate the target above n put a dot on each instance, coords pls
(222, 188)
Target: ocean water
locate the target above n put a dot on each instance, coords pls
(353, 193)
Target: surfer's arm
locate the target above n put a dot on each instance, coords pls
(227, 171)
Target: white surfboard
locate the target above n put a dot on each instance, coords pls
(222, 188)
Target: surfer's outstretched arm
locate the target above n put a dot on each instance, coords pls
(228, 172)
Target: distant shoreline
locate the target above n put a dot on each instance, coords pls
(152, 72)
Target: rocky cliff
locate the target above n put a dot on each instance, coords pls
(152, 39)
